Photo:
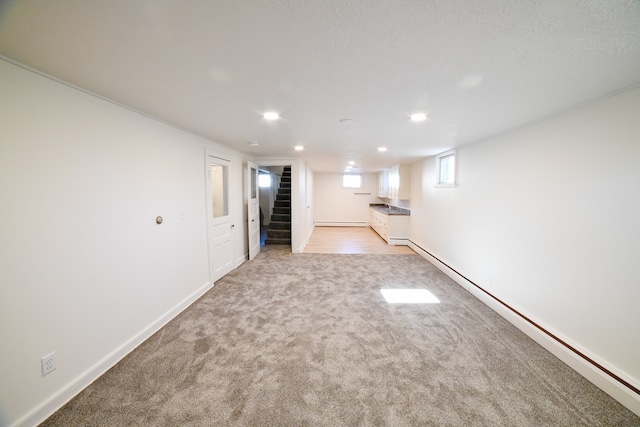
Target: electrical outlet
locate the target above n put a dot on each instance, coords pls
(48, 363)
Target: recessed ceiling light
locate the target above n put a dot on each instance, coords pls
(352, 162)
(418, 117)
(382, 149)
(346, 120)
(349, 167)
(271, 115)
(298, 148)
(253, 143)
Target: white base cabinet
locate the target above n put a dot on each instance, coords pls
(394, 229)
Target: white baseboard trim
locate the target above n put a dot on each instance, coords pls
(306, 240)
(240, 261)
(340, 224)
(398, 241)
(55, 402)
(550, 340)
(300, 247)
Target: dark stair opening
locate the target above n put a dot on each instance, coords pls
(279, 230)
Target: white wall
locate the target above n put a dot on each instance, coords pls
(547, 219)
(268, 196)
(298, 206)
(85, 269)
(334, 205)
(266, 203)
(309, 204)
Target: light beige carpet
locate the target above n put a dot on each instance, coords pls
(308, 340)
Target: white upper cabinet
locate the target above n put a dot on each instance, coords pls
(400, 182)
(383, 184)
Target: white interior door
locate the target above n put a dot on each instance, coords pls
(219, 225)
(253, 207)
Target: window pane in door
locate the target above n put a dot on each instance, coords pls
(254, 179)
(219, 175)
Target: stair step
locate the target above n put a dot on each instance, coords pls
(282, 204)
(284, 184)
(278, 234)
(278, 242)
(279, 225)
(281, 217)
(284, 210)
(286, 197)
(284, 190)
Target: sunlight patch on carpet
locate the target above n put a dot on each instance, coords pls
(409, 296)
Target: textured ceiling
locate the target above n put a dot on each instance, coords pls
(477, 67)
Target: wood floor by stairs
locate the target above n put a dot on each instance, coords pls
(350, 240)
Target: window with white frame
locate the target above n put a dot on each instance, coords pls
(351, 180)
(446, 169)
(264, 180)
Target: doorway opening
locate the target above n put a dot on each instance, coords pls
(275, 205)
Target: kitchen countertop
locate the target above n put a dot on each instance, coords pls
(389, 210)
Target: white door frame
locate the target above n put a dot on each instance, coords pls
(297, 204)
(253, 209)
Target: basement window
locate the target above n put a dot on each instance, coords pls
(264, 180)
(446, 169)
(351, 180)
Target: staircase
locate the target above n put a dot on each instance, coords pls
(279, 230)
